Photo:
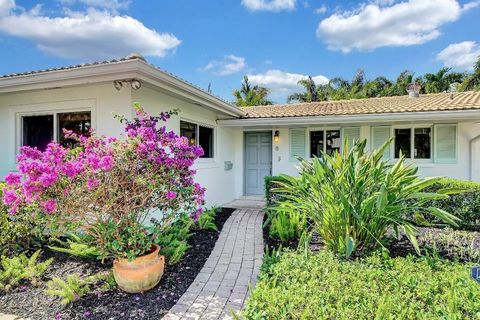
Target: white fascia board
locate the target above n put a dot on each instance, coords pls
(459, 115)
(116, 71)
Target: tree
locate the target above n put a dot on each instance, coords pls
(313, 92)
(442, 80)
(472, 82)
(250, 95)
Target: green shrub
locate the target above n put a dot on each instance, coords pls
(465, 206)
(454, 244)
(206, 221)
(271, 197)
(21, 268)
(76, 245)
(172, 239)
(285, 225)
(75, 287)
(352, 199)
(324, 287)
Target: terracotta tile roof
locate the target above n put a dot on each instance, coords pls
(427, 102)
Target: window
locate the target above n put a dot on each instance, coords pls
(199, 135)
(39, 130)
(413, 143)
(327, 141)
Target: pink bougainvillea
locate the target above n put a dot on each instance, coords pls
(109, 178)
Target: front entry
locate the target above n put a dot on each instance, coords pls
(258, 161)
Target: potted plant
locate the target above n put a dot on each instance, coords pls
(110, 188)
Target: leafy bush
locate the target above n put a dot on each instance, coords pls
(270, 258)
(324, 287)
(79, 246)
(285, 225)
(75, 287)
(271, 182)
(355, 197)
(21, 268)
(206, 221)
(172, 238)
(110, 186)
(455, 244)
(465, 205)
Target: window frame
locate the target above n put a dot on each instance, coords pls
(199, 124)
(412, 140)
(54, 112)
(324, 129)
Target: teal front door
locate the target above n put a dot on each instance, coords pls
(258, 161)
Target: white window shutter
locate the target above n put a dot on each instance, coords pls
(445, 147)
(297, 143)
(352, 134)
(380, 135)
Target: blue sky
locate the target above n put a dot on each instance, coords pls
(275, 42)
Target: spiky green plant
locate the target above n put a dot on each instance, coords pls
(206, 221)
(75, 287)
(77, 246)
(353, 198)
(20, 268)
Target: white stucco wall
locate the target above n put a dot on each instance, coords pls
(100, 99)
(460, 170)
(222, 185)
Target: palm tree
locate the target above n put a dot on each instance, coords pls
(378, 87)
(442, 80)
(472, 82)
(250, 95)
(313, 92)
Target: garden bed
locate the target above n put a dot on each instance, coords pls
(31, 302)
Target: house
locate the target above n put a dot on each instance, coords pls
(440, 133)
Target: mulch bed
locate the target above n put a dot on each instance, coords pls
(32, 303)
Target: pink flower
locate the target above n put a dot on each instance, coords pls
(92, 184)
(49, 206)
(9, 197)
(171, 195)
(13, 179)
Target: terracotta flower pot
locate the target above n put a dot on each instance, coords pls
(141, 274)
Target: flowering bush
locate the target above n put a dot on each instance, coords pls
(111, 182)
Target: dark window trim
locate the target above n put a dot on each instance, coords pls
(197, 133)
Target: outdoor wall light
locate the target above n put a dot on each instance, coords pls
(276, 136)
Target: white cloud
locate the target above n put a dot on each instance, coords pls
(6, 6)
(269, 5)
(462, 55)
(230, 64)
(282, 83)
(87, 35)
(321, 10)
(389, 23)
(112, 5)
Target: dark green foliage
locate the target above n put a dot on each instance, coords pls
(26, 230)
(206, 221)
(172, 239)
(21, 268)
(271, 182)
(465, 205)
(324, 287)
(352, 199)
(75, 287)
(270, 258)
(79, 246)
(454, 244)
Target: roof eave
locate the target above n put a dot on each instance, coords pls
(446, 115)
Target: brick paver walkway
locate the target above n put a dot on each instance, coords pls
(232, 269)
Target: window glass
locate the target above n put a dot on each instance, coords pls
(316, 143)
(205, 137)
(332, 142)
(403, 142)
(422, 143)
(37, 131)
(189, 130)
(78, 122)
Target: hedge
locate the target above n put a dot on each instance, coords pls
(322, 286)
(271, 197)
(465, 206)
